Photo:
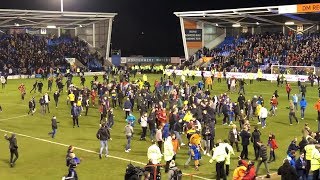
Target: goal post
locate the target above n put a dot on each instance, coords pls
(293, 70)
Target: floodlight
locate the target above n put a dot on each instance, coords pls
(236, 25)
(51, 26)
(289, 23)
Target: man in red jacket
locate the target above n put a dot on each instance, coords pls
(288, 89)
(162, 116)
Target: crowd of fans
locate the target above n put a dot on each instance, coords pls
(248, 51)
(26, 53)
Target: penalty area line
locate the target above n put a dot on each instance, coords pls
(85, 150)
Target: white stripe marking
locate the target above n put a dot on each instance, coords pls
(13, 117)
(87, 150)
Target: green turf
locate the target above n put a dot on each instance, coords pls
(43, 160)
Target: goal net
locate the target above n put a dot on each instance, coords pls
(293, 70)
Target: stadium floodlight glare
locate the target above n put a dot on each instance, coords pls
(51, 26)
(236, 25)
(289, 23)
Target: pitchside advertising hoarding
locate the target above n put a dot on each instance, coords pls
(147, 60)
(193, 35)
(237, 75)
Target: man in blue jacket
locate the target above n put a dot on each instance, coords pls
(303, 105)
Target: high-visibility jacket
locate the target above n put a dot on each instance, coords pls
(71, 97)
(209, 81)
(309, 148)
(188, 117)
(315, 159)
(219, 153)
(145, 78)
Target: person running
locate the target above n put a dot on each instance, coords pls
(34, 87)
(22, 90)
(13, 147)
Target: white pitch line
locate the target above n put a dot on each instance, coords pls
(87, 150)
(16, 117)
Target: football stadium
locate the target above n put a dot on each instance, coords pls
(242, 103)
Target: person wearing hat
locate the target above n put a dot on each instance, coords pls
(13, 147)
(54, 125)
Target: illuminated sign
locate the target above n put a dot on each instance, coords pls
(304, 8)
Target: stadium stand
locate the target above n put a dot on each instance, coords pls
(25, 53)
(246, 52)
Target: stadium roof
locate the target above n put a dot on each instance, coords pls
(270, 15)
(42, 19)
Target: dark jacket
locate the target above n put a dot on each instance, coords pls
(292, 146)
(103, 134)
(232, 137)
(75, 111)
(54, 123)
(263, 152)
(127, 105)
(56, 96)
(287, 172)
(255, 137)
(299, 164)
(12, 142)
(245, 137)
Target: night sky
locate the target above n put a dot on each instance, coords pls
(144, 27)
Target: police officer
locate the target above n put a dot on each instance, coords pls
(13, 147)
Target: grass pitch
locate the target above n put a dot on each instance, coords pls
(42, 159)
